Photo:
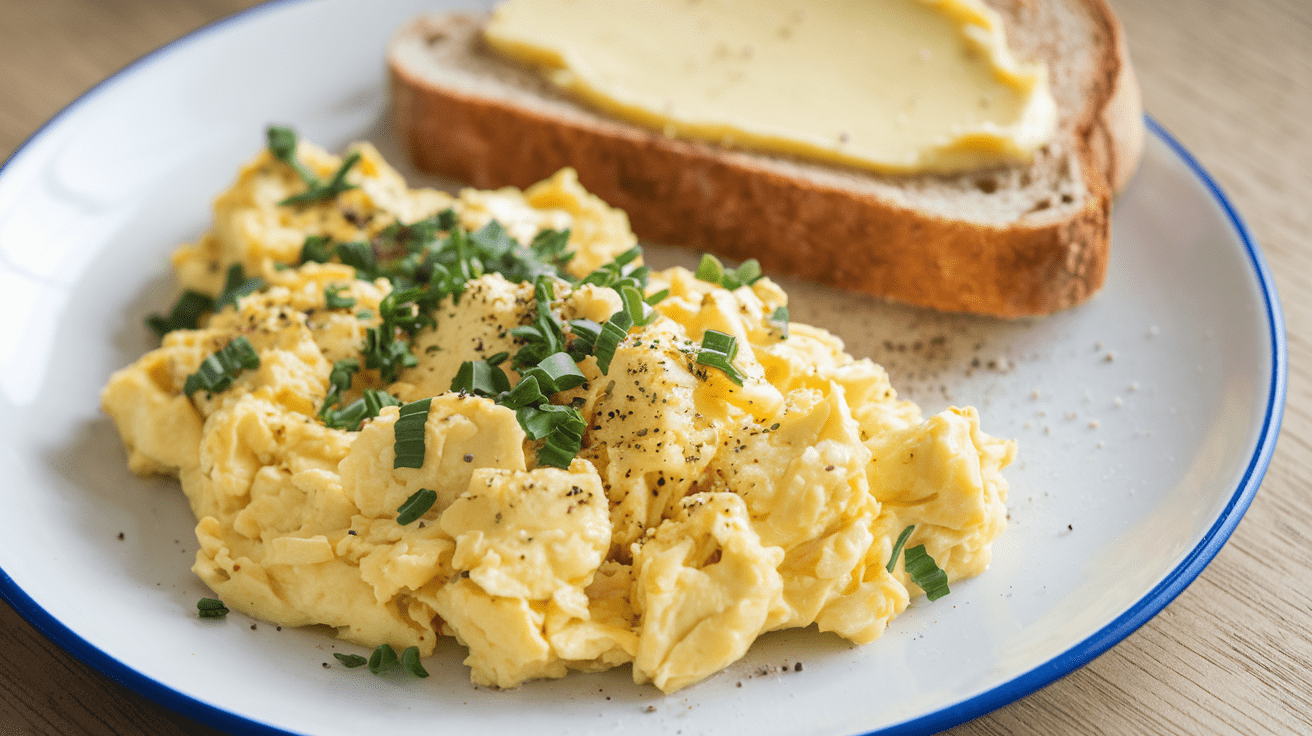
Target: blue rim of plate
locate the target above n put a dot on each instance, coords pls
(955, 714)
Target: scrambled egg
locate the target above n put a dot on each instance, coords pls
(698, 514)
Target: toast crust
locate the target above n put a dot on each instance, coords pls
(702, 196)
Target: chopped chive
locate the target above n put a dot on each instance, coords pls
(747, 273)
(612, 333)
(926, 573)
(416, 506)
(710, 269)
(399, 310)
(541, 421)
(211, 608)
(383, 658)
(480, 378)
(410, 434)
(339, 381)
(562, 428)
(718, 351)
(282, 144)
(585, 338)
(620, 272)
(556, 372)
(629, 256)
(560, 448)
(358, 255)
(549, 246)
(351, 417)
(410, 662)
(526, 393)
(658, 297)
(897, 546)
(184, 315)
(317, 248)
(217, 372)
(493, 239)
(334, 300)
(446, 219)
(779, 319)
(364, 314)
(236, 286)
(639, 310)
(319, 190)
(350, 660)
(546, 335)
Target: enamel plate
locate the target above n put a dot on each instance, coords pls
(1145, 418)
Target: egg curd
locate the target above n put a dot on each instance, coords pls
(696, 515)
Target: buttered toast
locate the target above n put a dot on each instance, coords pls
(1010, 240)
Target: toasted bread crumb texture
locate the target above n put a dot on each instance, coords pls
(1009, 242)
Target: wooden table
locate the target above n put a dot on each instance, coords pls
(1231, 79)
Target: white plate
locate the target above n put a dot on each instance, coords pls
(1146, 420)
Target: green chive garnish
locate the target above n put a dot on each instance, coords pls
(383, 658)
(410, 662)
(416, 506)
(480, 378)
(317, 249)
(217, 372)
(546, 335)
(282, 144)
(612, 333)
(710, 269)
(585, 338)
(526, 393)
(780, 320)
(236, 286)
(639, 310)
(334, 300)
(357, 255)
(658, 297)
(352, 416)
(562, 428)
(410, 434)
(897, 546)
(549, 246)
(747, 273)
(185, 314)
(350, 660)
(211, 608)
(718, 351)
(556, 372)
(926, 573)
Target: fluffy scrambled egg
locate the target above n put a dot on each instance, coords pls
(697, 515)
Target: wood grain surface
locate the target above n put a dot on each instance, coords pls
(1231, 79)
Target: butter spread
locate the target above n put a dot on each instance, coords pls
(888, 85)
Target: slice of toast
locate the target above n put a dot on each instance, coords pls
(1010, 241)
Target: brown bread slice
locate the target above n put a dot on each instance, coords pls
(1011, 241)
